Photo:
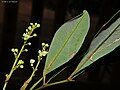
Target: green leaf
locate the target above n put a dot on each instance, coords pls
(66, 42)
(103, 44)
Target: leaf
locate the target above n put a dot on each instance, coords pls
(103, 44)
(66, 42)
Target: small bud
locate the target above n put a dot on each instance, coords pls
(46, 45)
(6, 75)
(32, 61)
(29, 43)
(20, 62)
(38, 25)
(16, 50)
(26, 30)
(13, 50)
(34, 34)
(39, 51)
(31, 64)
(44, 53)
(31, 24)
(35, 24)
(21, 66)
(24, 34)
(26, 50)
(29, 28)
(43, 44)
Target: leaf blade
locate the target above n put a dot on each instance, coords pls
(103, 44)
(66, 42)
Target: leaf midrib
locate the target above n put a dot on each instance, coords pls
(54, 58)
(89, 56)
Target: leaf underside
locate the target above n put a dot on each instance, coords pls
(66, 42)
(103, 44)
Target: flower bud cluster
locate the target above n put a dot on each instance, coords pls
(43, 52)
(15, 51)
(29, 31)
(20, 64)
(32, 61)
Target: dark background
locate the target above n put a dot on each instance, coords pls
(51, 14)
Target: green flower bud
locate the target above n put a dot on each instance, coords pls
(31, 24)
(21, 66)
(34, 34)
(32, 61)
(20, 62)
(46, 45)
(30, 28)
(38, 25)
(43, 44)
(26, 50)
(13, 50)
